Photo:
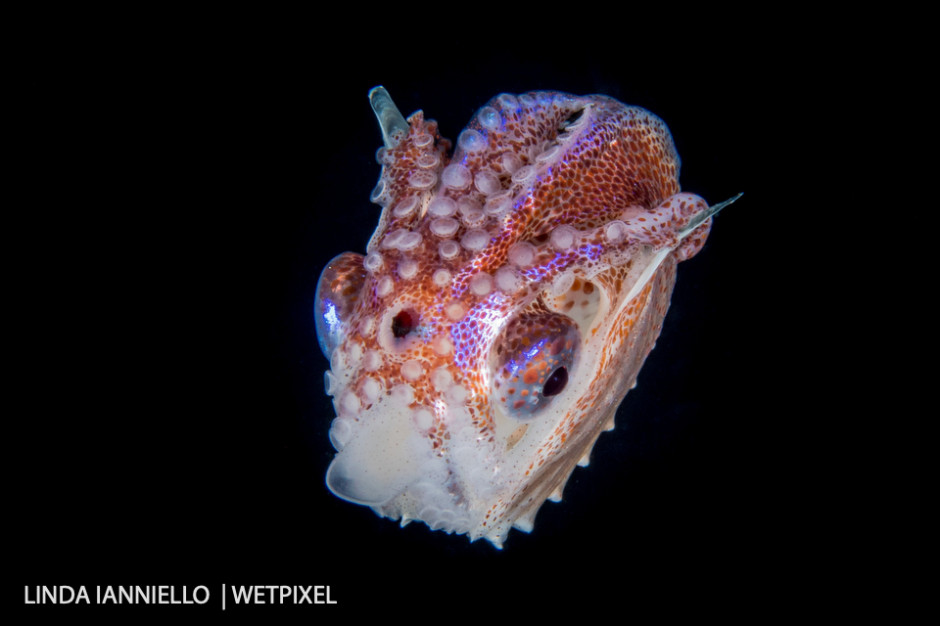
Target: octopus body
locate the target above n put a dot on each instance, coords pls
(504, 306)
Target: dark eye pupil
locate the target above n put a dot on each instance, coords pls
(402, 324)
(574, 117)
(556, 382)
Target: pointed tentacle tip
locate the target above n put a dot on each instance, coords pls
(391, 121)
(699, 219)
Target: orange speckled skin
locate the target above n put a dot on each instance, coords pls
(556, 217)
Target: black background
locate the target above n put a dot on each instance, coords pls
(182, 196)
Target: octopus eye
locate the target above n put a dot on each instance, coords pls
(574, 117)
(532, 361)
(403, 323)
(556, 382)
(337, 297)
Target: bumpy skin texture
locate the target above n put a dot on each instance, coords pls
(509, 297)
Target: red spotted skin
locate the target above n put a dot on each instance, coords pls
(543, 247)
